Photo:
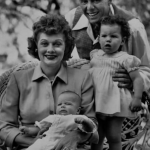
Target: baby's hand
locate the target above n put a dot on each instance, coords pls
(79, 120)
(135, 105)
(87, 125)
(24, 130)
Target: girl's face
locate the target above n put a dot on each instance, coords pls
(94, 10)
(110, 38)
(51, 49)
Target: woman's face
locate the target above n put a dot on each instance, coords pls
(51, 49)
(94, 10)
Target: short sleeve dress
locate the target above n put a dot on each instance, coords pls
(111, 100)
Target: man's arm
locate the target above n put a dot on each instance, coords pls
(29, 131)
(138, 45)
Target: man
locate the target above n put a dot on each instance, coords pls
(85, 22)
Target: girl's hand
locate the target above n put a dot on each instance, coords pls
(135, 105)
(122, 77)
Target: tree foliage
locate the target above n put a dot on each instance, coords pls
(141, 8)
(17, 17)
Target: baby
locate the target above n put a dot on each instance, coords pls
(67, 118)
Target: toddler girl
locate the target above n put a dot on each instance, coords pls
(113, 104)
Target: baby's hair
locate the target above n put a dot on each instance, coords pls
(117, 20)
(68, 91)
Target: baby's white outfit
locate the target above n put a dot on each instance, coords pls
(61, 125)
(111, 100)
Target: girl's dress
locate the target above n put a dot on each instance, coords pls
(111, 100)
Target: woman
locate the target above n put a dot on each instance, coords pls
(32, 94)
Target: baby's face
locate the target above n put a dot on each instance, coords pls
(67, 104)
(110, 38)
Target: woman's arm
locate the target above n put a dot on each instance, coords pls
(23, 140)
(9, 125)
(9, 116)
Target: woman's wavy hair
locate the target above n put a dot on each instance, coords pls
(121, 22)
(51, 24)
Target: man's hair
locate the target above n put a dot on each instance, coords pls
(117, 20)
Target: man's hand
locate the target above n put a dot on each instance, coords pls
(122, 77)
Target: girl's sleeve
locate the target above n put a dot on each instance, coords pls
(131, 63)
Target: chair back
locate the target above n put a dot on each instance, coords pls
(4, 78)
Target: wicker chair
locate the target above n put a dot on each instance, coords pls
(135, 131)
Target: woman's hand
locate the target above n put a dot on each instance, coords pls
(25, 130)
(122, 77)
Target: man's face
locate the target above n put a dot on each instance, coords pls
(94, 10)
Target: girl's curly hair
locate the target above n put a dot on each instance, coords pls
(121, 22)
(51, 24)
